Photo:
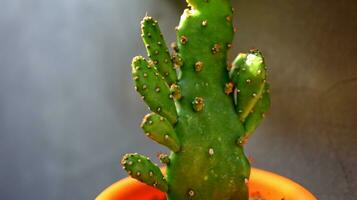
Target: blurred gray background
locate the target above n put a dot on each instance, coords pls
(68, 110)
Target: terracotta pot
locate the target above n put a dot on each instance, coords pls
(263, 184)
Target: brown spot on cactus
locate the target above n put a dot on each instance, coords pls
(216, 48)
(164, 158)
(175, 91)
(228, 88)
(191, 193)
(174, 46)
(198, 104)
(177, 60)
(228, 18)
(183, 39)
(198, 66)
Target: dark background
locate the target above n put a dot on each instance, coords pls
(68, 110)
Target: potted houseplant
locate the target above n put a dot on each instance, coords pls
(203, 110)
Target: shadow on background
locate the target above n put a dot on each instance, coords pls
(68, 110)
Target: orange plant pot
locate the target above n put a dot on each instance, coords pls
(262, 184)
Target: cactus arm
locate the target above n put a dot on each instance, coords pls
(160, 130)
(153, 88)
(249, 76)
(254, 118)
(157, 49)
(142, 169)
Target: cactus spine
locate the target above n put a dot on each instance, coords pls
(204, 115)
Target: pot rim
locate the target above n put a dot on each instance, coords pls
(267, 184)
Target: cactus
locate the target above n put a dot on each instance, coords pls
(203, 113)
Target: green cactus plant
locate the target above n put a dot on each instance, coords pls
(200, 111)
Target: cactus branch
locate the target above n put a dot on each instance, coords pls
(249, 76)
(160, 130)
(142, 169)
(254, 118)
(157, 49)
(153, 88)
